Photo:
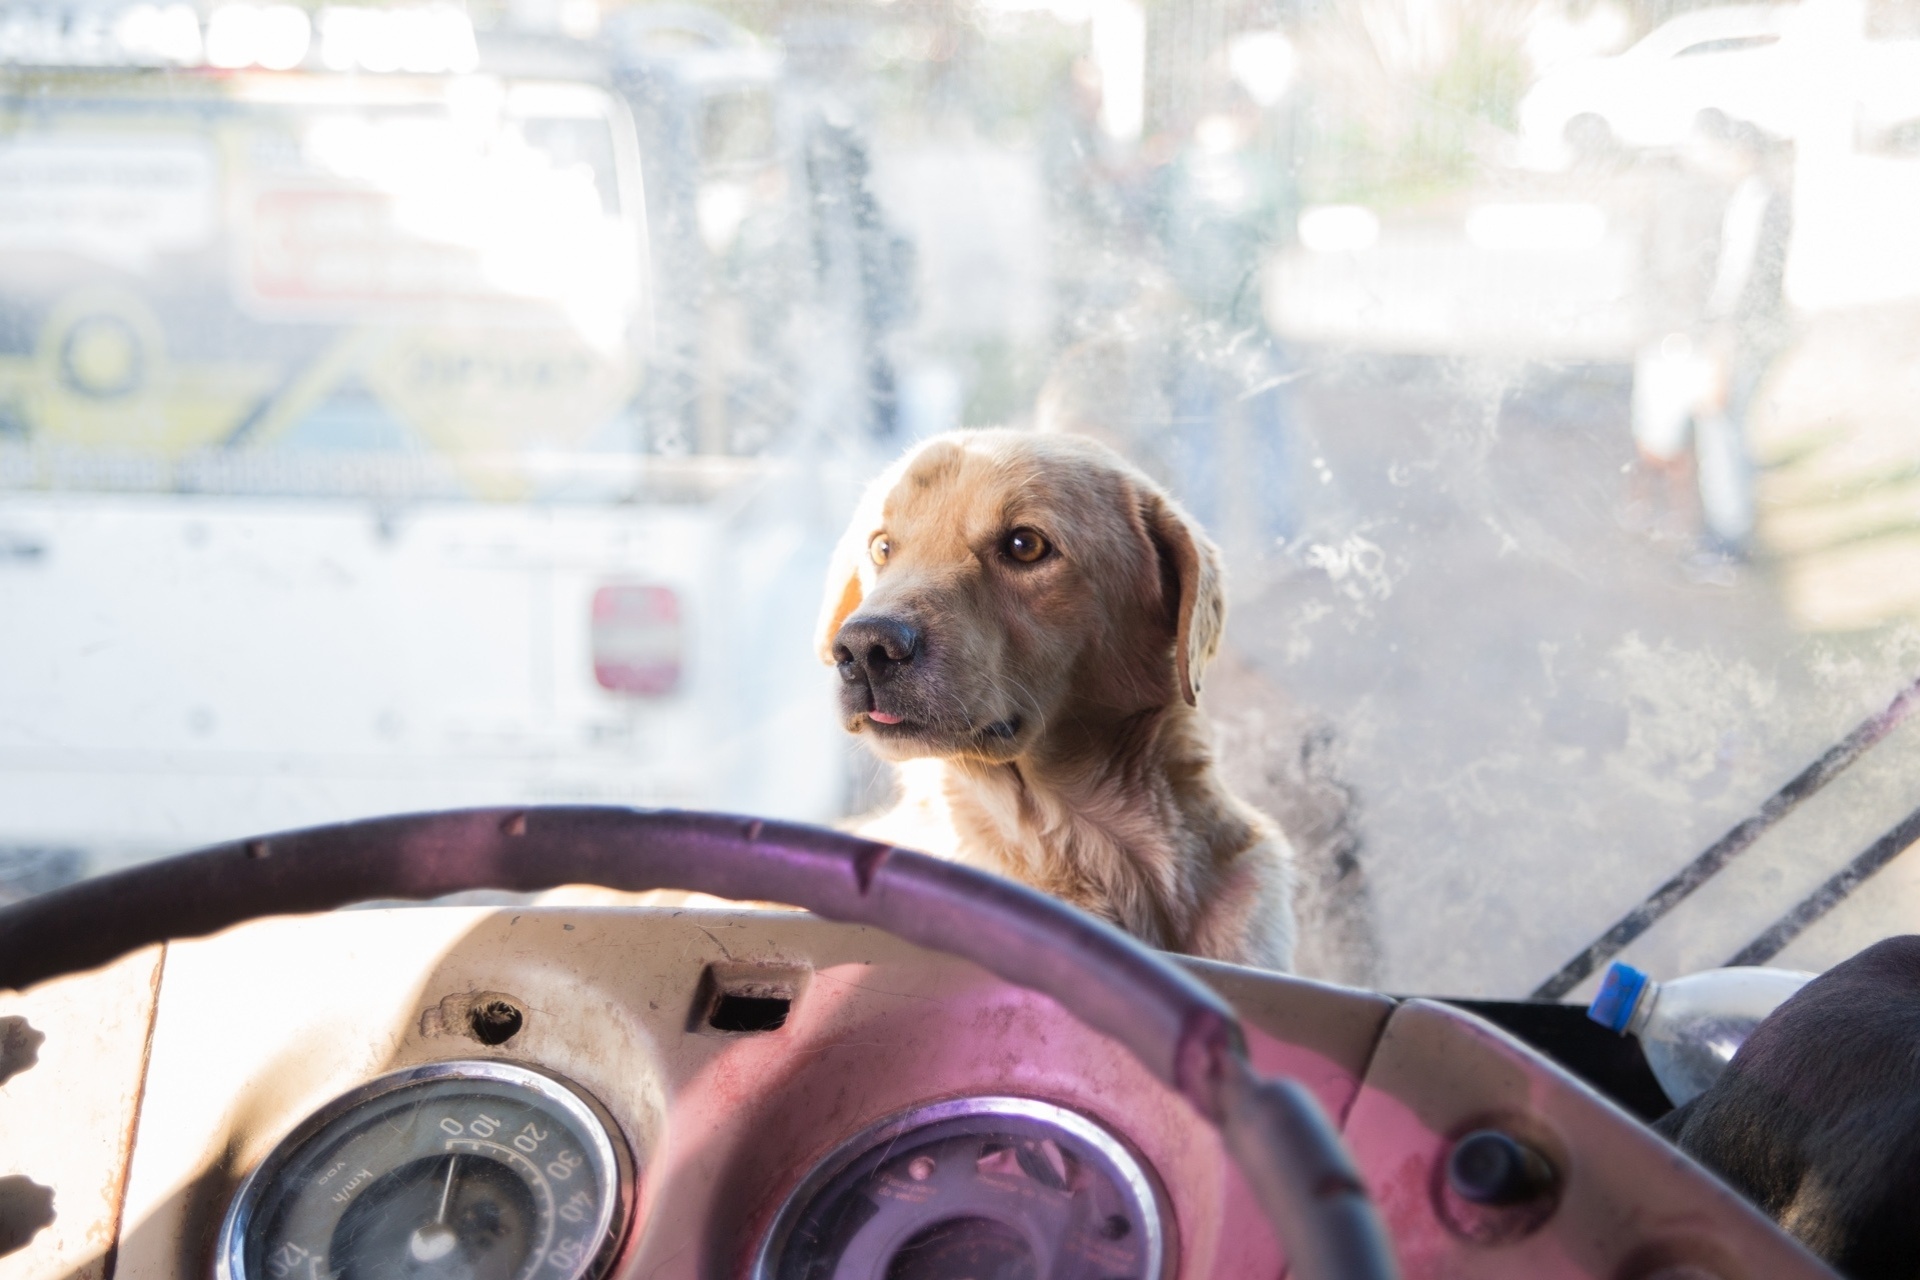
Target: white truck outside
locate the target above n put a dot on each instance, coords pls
(323, 490)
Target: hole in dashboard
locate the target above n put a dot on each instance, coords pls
(745, 998)
(749, 1013)
(490, 1017)
(495, 1021)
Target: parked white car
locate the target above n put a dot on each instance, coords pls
(1730, 59)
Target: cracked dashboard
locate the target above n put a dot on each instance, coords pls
(567, 1093)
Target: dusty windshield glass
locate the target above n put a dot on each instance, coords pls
(421, 406)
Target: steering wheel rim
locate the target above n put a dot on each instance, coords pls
(1179, 1029)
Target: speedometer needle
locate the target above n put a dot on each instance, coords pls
(446, 1190)
(434, 1240)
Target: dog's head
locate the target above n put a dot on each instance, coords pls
(998, 590)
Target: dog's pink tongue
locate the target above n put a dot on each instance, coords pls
(881, 717)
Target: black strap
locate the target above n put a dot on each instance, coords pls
(1831, 894)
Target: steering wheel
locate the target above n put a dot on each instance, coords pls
(1293, 1158)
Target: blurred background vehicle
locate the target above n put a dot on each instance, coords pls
(1728, 59)
(448, 404)
(344, 471)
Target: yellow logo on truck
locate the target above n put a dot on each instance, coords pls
(101, 376)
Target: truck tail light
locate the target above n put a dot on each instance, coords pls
(636, 639)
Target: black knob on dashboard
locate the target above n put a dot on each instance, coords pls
(1491, 1167)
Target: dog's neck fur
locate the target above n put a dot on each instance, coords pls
(1096, 820)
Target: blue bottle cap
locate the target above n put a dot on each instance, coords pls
(1620, 991)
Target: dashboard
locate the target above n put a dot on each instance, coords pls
(578, 1093)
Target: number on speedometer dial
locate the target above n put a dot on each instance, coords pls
(454, 1171)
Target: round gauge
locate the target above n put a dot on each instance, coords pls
(454, 1171)
(974, 1189)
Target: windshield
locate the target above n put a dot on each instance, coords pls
(423, 406)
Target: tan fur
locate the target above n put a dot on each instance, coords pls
(1051, 729)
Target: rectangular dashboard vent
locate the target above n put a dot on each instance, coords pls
(749, 1013)
(744, 998)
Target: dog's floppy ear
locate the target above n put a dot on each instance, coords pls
(845, 589)
(851, 570)
(1190, 572)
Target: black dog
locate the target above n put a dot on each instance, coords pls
(1817, 1118)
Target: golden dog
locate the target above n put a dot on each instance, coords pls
(1020, 623)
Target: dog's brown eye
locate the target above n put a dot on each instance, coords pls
(1025, 545)
(879, 548)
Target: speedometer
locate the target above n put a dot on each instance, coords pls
(454, 1171)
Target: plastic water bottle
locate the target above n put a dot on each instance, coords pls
(1691, 1027)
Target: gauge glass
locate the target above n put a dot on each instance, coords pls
(974, 1189)
(455, 1171)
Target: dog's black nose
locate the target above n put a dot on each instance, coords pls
(874, 647)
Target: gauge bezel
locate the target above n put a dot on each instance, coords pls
(1136, 1176)
(611, 1152)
